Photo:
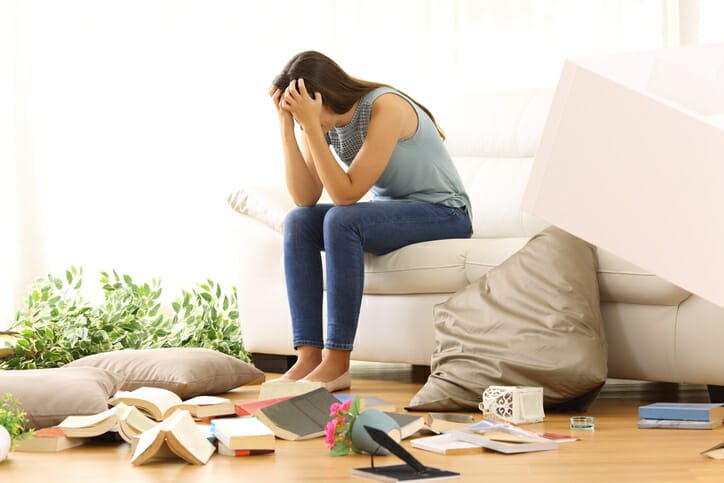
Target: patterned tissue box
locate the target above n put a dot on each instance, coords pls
(514, 404)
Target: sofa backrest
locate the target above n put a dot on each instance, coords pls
(493, 137)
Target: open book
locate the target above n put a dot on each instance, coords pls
(161, 403)
(504, 431)
(127, 420)
(446, 444)
(177, 434)
(441, 422)
(503, 442)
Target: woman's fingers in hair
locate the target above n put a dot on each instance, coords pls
(302, 88)
(303, 91)
(275, 94)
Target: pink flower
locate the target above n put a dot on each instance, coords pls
(334, 408)
(337, 431)
(329, 431)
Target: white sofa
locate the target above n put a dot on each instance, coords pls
(656, 331)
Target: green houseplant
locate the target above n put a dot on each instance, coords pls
(12, 422)
(58, 324)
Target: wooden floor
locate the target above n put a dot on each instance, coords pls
(615, 452)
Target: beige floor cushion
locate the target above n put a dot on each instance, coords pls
(187, 371)
(48, 396)
(534, 320)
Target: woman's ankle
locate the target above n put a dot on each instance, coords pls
(308, 358)
(334, 364)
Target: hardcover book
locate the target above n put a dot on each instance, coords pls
(409, 423)
(446, 444)
(712, 412)
(245, 432)
(441, 422)
(48, 440)
(676, 424)
(299, 417)
(248, 408)
(224, 450)
(510, 445)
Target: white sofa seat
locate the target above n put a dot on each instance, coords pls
(655, 330)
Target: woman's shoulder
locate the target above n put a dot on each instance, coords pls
(375, 93)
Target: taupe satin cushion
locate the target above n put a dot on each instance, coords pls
(534, 320)
(48, 396)
(186, 371)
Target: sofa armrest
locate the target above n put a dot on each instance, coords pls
(266, 204)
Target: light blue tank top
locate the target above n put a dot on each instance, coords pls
(420, 168)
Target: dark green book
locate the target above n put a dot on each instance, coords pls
(300, 417)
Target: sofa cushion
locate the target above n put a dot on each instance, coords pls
(446, 266)
(48, 396)
(622, 281)
(187, 371)
(535, 320)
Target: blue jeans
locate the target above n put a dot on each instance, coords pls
(344, 233)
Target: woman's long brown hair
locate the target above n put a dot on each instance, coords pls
(339, 90)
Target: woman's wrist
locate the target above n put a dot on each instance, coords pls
(286, 123)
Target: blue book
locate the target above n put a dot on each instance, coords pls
(713, 412)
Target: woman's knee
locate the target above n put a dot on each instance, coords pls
(300, 216)
(342, 217)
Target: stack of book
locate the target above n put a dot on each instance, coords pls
(242, 436)
(681, 415)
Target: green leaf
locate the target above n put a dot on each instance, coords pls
(57, 326)
(354, 407)
(340, 448)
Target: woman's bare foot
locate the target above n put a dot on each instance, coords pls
(335, 363)
(308, 358)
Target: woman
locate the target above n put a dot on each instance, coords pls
(392, 146)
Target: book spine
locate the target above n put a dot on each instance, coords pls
(674, 413)
(673, 424)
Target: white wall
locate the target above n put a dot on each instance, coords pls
(131, 120)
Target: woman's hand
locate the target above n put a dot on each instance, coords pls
(285, 117)
(305, 109)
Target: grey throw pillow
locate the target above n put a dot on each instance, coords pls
(534, 320)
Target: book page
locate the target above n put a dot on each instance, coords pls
(73, 422)
(147, 444)
(186, 440)
(155, 400)
(206, 401)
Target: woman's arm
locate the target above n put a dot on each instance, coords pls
(301, 176)
(384, 131)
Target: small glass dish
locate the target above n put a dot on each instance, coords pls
(584, 423)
